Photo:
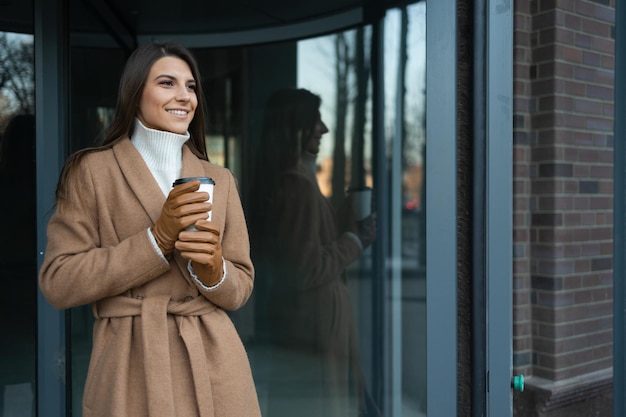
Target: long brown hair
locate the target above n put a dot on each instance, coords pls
(290, 117)
(131, 87)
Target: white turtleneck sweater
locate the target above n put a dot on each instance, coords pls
(162, 151)
(308, 161)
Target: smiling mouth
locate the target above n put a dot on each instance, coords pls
(178, 112)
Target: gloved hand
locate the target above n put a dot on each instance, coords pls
(366, 230)
(183, 207)
(203, 249)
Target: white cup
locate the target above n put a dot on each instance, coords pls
(206, 185)
(361, 201)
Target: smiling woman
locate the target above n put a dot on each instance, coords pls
(163, 343)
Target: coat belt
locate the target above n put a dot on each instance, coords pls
(157, 366)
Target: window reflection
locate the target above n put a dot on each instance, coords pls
(302, 247)
(18, 269)
(295, 296)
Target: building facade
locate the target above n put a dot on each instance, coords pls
(487, 131)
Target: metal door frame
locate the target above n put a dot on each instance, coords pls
(499, 206)
(51, 99)
(441, 202)
(496, 31)
(619, 223)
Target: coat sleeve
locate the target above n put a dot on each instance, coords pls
(76, 270)
(236, 288)
(310, 248)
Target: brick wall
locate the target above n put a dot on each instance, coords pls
(563, 127)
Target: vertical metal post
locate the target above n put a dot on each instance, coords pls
(50, 104)
(479, 243)
(441, 202)
(499, 207)
(380, 292)
(619, 210)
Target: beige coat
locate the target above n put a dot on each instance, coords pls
(162, 345)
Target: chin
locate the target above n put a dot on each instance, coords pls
(179, 130)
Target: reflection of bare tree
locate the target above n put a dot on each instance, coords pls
(17, 74)
(401, 80)
(349, 61)
(342, 70)
(362, 71)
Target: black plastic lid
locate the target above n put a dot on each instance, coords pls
(203, 180)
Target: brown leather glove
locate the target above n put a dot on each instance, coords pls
(182, 208)
(203, 249)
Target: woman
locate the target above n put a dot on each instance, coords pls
(163, 344)
(302, 246)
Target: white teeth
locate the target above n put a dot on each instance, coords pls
(178, 112)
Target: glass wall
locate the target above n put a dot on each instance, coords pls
(330, 329)
(18, 263)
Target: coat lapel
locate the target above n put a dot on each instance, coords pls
(192, 167)
(139, 178)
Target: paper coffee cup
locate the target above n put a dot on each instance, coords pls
(206, 185)
(361, 201)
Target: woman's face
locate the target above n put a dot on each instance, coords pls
(313, 144)
(168, 100)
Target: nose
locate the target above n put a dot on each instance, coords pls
(324, 127)
(183, 94)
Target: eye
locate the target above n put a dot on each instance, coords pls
(191, 87)
(166, 83)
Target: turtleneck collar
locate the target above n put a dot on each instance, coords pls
(161, 150)
(308, 161)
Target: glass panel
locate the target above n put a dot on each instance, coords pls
(312, 347)
(18, 263)
(405, 134)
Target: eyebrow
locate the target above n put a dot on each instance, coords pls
(171, 77)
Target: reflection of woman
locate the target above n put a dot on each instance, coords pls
(163, 344)
(298, 244)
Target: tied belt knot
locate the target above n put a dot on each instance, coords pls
(153, 311)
